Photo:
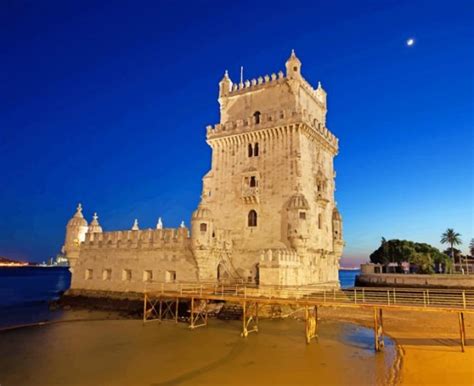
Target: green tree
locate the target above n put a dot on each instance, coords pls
(452, 238)
(420, 255)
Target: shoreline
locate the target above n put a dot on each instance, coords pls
(425, 344)
(220, 355)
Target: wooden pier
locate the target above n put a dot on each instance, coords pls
(161, 302)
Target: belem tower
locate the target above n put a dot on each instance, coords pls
(267, 213)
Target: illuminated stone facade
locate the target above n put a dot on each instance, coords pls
(267, 213)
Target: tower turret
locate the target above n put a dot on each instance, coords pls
(293, 66)
(338, 243)
(298, 220)
(225, 85)
(76, 230)
(94, 226)
(201, 228)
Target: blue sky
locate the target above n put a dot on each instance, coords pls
(106, 103)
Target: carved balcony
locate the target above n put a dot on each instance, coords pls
(250, 194)
(321, 199)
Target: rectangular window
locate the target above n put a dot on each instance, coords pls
(147, 275)
(106, 274)
(303, 215)
(170, 276)
(203, 227)
(89, 274)
(127, 275)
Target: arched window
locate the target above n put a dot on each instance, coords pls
(252, 218)
(250, 150)
(253, 182)
(255, 151)
(256, 116)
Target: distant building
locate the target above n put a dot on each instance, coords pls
(267, 213)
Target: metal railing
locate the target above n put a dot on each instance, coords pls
(401, 297)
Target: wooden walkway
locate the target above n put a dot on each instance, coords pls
(161, 302)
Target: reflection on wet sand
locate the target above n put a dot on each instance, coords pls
(122, 352)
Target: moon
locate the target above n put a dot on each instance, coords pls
(410, 42)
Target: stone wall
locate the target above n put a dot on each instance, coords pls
(127, 260)
(414, 280)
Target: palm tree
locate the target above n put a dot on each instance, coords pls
(452, 238)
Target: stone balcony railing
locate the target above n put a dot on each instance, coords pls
(250, 194)
(322, 199)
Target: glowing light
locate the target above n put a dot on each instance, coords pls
(410, 42)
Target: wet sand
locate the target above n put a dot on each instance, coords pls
(120, 352)
(429, 344)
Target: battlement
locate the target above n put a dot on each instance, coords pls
(270, 120)
(144, 238)
(279, 258)
(256, 84)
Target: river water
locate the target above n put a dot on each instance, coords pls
(26, 291)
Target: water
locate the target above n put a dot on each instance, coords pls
(347, 277)
(26, 291)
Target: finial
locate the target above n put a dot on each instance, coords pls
(79, 211)
(226, 73)
(182, 225)
(95, 217)
(293, 52)
(135, 225)
(159, 224)
(319, 84)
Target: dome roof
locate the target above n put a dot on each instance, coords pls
(298, 201)
(336, 215)
(202, 213)
(78, 219)
(94, 226)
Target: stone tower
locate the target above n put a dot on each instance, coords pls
(76, 230)
(267, 212)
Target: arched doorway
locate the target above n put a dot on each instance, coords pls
(222, 274)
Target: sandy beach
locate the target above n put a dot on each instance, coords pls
(429, 344)
(124, 352)
(75, 351)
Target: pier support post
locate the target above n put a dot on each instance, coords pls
(177, 309)
(311, 323)
(462, 330)
(199, 314)
(249, 318)
(378, 329)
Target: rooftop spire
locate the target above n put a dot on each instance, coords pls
(94, 226)
(79, 211)
(159, 224)
(135, 225)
